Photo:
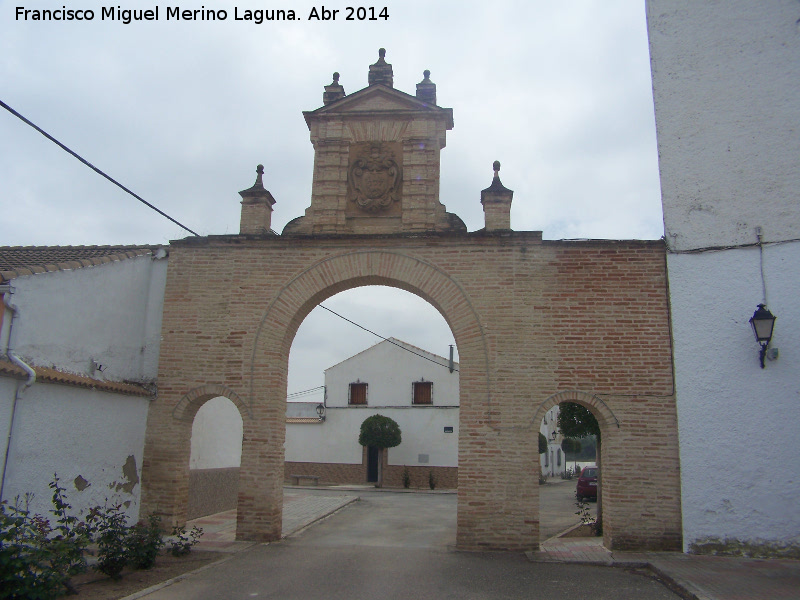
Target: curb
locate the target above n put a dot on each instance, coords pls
(177, 578)
(680, 586)
(319, 518)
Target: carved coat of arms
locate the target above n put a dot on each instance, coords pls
(374, 179)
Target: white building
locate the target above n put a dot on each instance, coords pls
(726, 81)
(553, 462)
(417, 389)
(79, 339)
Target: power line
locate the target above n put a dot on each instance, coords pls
(306, 392)
(91, 166)
(386, 339)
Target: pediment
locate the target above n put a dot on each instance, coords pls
(376, 98)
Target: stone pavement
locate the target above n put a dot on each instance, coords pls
(694, 577)
(300, 509)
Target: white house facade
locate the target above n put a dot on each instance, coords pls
(553, 462)
(726, 81)
(79, 339)
(416, 388)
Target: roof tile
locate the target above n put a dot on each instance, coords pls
(17, 261)
(49, 375)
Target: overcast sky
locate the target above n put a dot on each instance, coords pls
(181, 112)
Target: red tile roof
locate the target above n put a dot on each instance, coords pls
(48, 375)
(16, 261)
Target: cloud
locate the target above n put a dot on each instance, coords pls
(182, 112)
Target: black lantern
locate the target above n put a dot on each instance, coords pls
(321, 411)
(762, 322)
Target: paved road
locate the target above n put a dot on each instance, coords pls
(557, 507)
(398, 545)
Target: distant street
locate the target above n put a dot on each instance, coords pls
(557, 509)
(399, 545)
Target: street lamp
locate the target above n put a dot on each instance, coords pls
(762, 322)
(321, 411)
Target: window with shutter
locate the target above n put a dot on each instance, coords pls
(358, 393)
(423, 392)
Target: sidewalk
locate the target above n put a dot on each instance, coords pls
(696, 577)
(300, 509)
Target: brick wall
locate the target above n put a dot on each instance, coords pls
(531, 319)
(342, 474)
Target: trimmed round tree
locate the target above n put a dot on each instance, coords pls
(380, 432)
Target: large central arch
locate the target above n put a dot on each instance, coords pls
(268, 368)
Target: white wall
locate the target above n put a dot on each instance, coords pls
(549, 461)
(336, 439)
(726, 81)
(74, 432)
(737, 423)
(216, 436)
(110, 313)
(389, 372)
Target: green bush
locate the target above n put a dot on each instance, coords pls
(112, 534)
(542, 443)
(72, 537)
(406, 478)
(183, 542)
(431, 480)
(144, 541)
(38, 559)
(26, 571)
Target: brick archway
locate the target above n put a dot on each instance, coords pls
(529, 317)
(268, 368)
(609, 428)
(187, 407)
(600, 409)
(165, 469)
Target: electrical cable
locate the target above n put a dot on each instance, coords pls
(306, 392)
(91, 166)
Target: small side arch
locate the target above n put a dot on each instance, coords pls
(187, 407)
(605, 417)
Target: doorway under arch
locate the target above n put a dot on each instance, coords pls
(367, 351)
(216, 450)
(279, 324)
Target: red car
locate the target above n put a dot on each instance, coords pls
(587, 483)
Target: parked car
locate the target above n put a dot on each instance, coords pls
(587, 483)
